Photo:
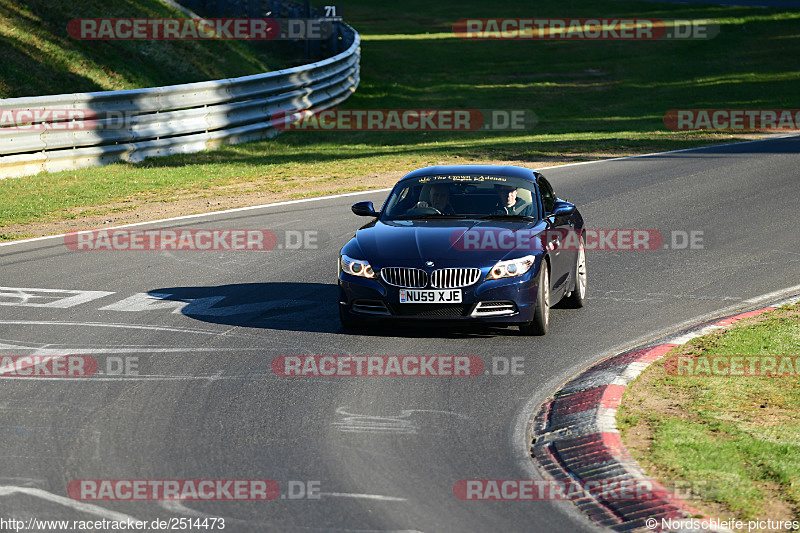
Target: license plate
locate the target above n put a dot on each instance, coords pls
(452, 296)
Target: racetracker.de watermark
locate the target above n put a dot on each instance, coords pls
(633, 29)
(404, 120)
(67, 366)
(78, 119)
(483, 239)
(566, 489)
(182, 29)
(173, 489)
(733, 365)
(733, 119)
(394, 366)
(192, 240)
(47, 119)
(47, 366)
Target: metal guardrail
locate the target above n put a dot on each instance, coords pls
(132, 125)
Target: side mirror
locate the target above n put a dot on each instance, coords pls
(562, 208)
(364, 209)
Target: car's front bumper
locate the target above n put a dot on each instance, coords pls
(507, 301)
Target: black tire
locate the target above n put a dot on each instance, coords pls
(577, 297)
(541, 316)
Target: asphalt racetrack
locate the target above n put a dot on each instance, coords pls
(184, 341)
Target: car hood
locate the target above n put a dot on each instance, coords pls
(409, 242)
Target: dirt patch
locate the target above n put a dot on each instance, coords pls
(138, 209)
(645, 398)
(144, 207)
(648, 398)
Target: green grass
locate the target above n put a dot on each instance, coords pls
(732, 462)
(738, 436)
(40, 57)
(8, 237)
(593, 99)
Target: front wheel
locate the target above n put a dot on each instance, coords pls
(577, 297)
(541, 316)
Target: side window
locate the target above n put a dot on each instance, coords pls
(548, 196)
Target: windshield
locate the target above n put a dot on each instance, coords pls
(462, 196)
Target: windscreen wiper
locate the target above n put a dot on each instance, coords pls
(429, 215)
(507, 217)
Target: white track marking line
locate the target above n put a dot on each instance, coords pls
(772, 295)
(670, 331)
(86, 351)
(213, 213)
(525, 415)
(104, 325)
(176, 506)
(67, 502)
(292, 202)
(671, 151)
(155, 377)
(363, 496)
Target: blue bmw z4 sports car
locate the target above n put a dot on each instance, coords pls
(465, 243)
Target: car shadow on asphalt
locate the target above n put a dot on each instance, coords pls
(302, 307)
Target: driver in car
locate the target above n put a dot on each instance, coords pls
(509, 204)
(439, 199)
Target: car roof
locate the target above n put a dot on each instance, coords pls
(499, 170)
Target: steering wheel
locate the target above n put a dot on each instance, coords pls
(414, 211)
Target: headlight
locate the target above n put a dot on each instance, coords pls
(355, 267)
(512, 268)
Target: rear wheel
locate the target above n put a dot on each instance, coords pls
(577, 297)
(541, 316)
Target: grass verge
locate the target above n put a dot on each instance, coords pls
(735, 440)
(593, 99)
(40, 57)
